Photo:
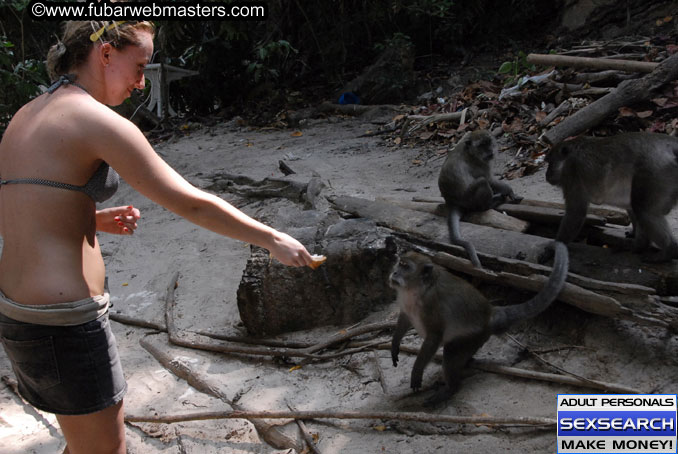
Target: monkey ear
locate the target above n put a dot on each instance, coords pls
(391, 245)
(427, 272)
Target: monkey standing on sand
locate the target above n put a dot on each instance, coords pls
(636, 171)
(447, 310)
(467, 185)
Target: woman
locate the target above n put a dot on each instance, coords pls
(54, 159)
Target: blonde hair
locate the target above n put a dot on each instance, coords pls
(75, 44)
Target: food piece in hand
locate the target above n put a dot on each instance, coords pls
(317, 261)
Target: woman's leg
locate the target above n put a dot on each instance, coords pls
(102, 432)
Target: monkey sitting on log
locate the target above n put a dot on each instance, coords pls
(635, 171)
(467, 185)
(447, 310)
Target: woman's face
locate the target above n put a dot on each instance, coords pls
(125, 69)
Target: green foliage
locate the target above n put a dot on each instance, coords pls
(20, 79)
(397, 40)
(516, 68)
(23, 46)
(303, 44)
(271, 61)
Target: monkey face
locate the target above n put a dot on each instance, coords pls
(481, 146)
(411, 269)
(556, 160)
(401, 271)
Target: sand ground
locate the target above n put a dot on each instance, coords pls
(140, 267)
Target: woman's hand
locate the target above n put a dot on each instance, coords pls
(289, 251)
(118, 220)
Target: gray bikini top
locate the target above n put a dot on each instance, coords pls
(100, 187)
(102, 184)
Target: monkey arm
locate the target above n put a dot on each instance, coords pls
(426, 352)
(575, 215)
(401, 328)
(504, 191)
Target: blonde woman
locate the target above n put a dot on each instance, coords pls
(56, 161)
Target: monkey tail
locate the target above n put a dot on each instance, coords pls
(505, 316)
(455, 236)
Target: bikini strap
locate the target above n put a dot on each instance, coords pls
(40, 181)
(65, 79)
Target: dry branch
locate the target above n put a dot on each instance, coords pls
(384, 415)
(423, 120)
(562, 108)
(488, 366)
(496, 368)
(132, 321)
(592, 63)
(350, 333)
(308, 438)
(627, 93)
(353, 109)
(608, 76)
(267, 431)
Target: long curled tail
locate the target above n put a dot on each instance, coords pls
(505, 316)
(455, 236)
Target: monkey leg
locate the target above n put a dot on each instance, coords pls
(651, 203)
(658, 232)
(401, 328)
(426, 352)
(575, 215)
(479, 196)
(456, 355)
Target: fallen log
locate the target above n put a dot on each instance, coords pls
(544, 215)
(592, 63)
(611, 215)
(627, 93)
(353, 281)
(643, 308)
(610, 76)
(245, 186)
(562, 108)
(604, 269)
(491, 218)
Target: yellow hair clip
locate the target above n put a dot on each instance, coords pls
(97, 34)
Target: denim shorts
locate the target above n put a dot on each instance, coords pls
(66, 370)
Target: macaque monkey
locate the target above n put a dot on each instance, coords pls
(447, 310)
(636, 171)
(466, 184)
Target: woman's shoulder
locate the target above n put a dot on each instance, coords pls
(83, 115)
